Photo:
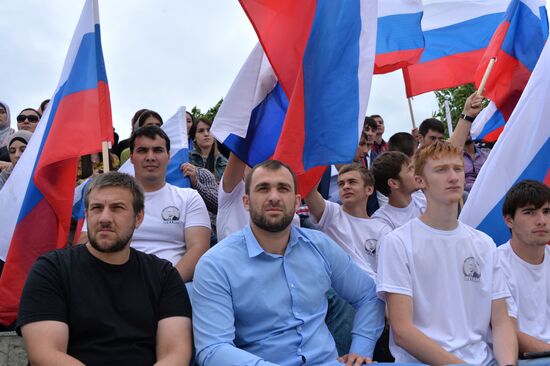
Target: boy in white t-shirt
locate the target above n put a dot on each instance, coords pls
(525, 260)
(349, 225)
(440, 278)
(394, 177)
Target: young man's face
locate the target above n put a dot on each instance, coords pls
(443, 179)
(150, 159)
(431, 136)
(407, 180)
(530, 226)
(352, 188)
(380, 123)
(370, 134)
(272, 200)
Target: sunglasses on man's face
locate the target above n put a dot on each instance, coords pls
(32, 119)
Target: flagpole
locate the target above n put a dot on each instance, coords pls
(105, 153)
(411, 112)
(486, 75)
(448, 117)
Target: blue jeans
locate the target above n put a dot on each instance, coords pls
(339, 321)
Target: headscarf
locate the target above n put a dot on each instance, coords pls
(21, 135)
(6, 131)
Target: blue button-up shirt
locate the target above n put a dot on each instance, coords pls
(251, 307)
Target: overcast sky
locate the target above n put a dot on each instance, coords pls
(158, 55)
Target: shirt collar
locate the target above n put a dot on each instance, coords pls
(255, 249)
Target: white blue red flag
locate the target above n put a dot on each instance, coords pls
(456, 34)
(176, 130)
(250, 119)
(516, 45)
(36, 201)
(521, 152)
(399, 40)
(323, 55)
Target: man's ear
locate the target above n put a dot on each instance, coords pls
(139, 218)
(420, 181)
(509, 221)
(246, 202)
(369, 190)
(393, 184)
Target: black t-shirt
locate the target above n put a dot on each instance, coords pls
(112, 310)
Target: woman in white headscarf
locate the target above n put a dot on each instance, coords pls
(5, 122)
(16, 145)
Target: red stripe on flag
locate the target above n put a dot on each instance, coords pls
(388, 62)
(283, 38)
(506, 83)
(445, 72)
(35, 235)
(493, 135)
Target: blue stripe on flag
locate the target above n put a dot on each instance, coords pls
(174, 174)
(471, 35)
(524, 40)
(493, 224)
(264, 129)
(399, 32)
(331, 83)
(496, 121)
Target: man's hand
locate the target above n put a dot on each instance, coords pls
(353, 359)
(189, 170)
(473, 105)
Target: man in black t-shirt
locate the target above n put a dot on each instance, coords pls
(103, 302)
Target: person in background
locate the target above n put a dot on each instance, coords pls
(28, 119)
(403, 142)
(146, 118)
(16, 146)
(205, 152)
(430, 130)
(379, 145)
(43, 106)
(5, 132)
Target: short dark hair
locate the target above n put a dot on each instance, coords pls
(366, 175)
(387, 166)
(151, 132)
(146, 114)
(376, 116)
(527, 192)
(403, 142)
(431, 124)
(44, 104)
(370, 122)
(116, 179)
(269, 165)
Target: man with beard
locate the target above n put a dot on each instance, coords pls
(104, 302)
(260, 294)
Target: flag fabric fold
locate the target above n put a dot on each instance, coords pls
(456, 34)
(516, 45)
(40, 190)
(322, 53)
(399, 39)
(521, 152)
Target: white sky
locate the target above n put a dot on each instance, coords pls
(158, 54)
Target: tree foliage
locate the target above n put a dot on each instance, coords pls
(456, 97)
(210, 114)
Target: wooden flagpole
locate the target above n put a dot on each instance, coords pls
(105, 154)
(411, 112)
(481, 88)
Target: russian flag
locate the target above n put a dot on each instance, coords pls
(323, 55)
(516, 45)
(37, 199)
(176, 130)
(250, 119)
(399, 40)
(456, 34)
(521, 152)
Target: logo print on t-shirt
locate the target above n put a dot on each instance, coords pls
(370, 246)
(170, 215)
(471, 270)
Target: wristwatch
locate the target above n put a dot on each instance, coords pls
(467, 118)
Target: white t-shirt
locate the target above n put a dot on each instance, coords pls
(453, 277)
(357, 236)
(395, 217)
(168, 212)
(529, 285)
(232, 216)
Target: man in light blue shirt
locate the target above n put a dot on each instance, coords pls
(260, 294)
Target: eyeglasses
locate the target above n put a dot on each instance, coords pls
(32, 119)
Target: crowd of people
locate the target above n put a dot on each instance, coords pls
(372, 265)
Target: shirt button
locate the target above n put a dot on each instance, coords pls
(292, 285)
(299, 350)
(299, 329)
(296, 313)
